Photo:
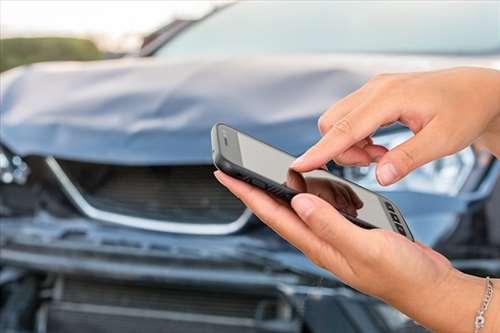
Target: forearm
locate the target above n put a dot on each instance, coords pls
(452, 306)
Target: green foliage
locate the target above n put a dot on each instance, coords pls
(21, 51)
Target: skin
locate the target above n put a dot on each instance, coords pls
(447, 110)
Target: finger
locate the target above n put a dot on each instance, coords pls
(369, 141)
(425, 146)
(351, 129)
(328, 224)
(361, 156)
(375, 151)
(277, 216)
(353, 156)
(356, 155)
(363, 143)
(340, 109)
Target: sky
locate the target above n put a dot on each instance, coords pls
(113, 25)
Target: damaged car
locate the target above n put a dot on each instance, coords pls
(111, 219)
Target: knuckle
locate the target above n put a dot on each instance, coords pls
(343, 126)
(387, 82)
(323, 125)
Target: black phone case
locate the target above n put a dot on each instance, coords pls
(281, 191)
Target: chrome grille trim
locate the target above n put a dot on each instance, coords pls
(137, 222)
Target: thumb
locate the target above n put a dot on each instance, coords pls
(327, 223)
(422, 148)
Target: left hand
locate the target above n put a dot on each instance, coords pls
(378, 262)
(381, 263)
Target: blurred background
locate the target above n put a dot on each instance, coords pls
(110, 217)
(33, 31)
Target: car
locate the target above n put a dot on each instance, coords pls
(112, 221)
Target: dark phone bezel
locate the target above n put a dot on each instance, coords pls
(235, 170)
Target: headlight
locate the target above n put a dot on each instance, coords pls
(12, 168)
(446, 175)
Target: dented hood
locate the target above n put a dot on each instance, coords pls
(156, 111)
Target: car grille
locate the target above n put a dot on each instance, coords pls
(186, 194)
(100, 306)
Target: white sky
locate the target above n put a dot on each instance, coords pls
(114, 25)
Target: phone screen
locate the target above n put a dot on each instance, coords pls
(350, 199)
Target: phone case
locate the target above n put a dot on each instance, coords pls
(278, 190)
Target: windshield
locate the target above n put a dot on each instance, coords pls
(251, 28)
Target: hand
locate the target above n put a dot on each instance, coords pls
(447, 110)
(410, 276)
(377, 262)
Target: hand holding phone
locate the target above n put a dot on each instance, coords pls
(405, 274)
(268, 168)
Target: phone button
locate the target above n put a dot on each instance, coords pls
(258, 183)
(395, 218)
(389, 206)
(400, 229)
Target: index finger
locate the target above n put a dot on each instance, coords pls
(344, 134)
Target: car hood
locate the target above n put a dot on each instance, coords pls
(156, 111)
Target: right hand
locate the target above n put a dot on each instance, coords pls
(446, 109)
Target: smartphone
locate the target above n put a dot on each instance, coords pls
(246, 158)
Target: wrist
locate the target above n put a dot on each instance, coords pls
(448, 305)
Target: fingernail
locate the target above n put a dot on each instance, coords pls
(303, 205)
(216, 175)
(387, 174)
(298, 161)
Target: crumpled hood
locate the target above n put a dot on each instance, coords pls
(157, 111)
(144, 111)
